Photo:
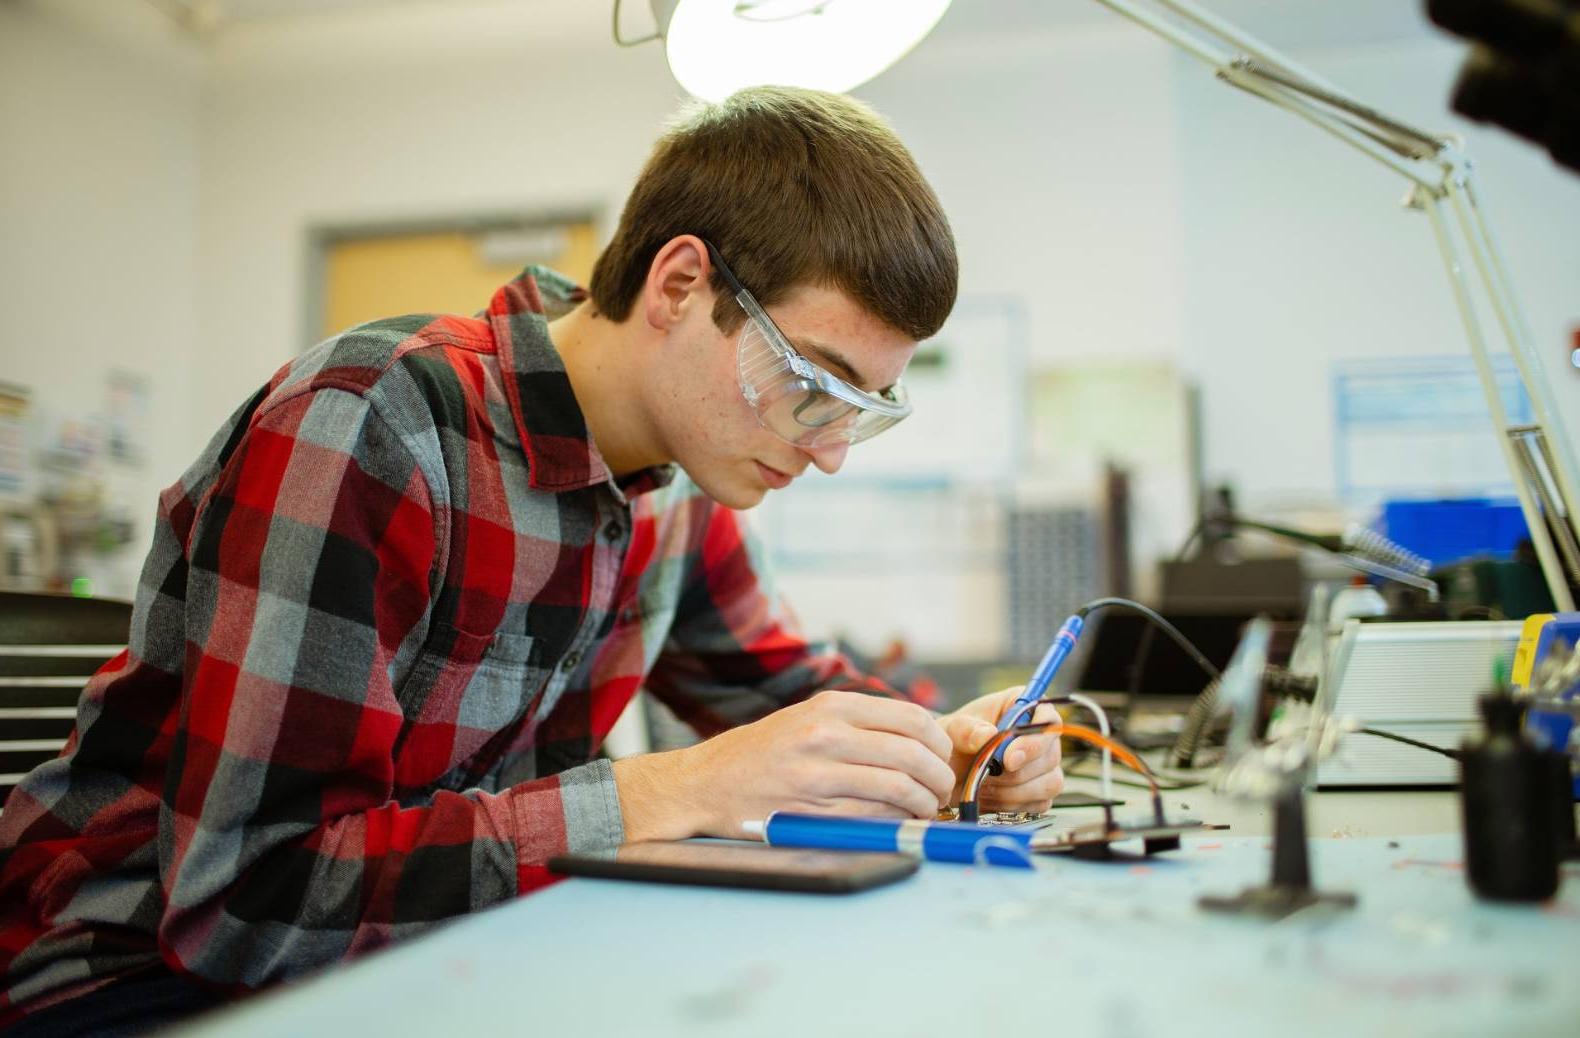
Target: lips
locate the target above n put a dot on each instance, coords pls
(775, 479)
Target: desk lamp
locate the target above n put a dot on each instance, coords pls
(716, 47)
(837, 44)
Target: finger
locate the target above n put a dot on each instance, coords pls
(1045, 713)
(885, 785)
(1045, 785)
(1038, 753)
(887, 750)
(997, 703)
(968, 734)
(831, 739)
(1035, 796)
(891, 715)
(1040, 789)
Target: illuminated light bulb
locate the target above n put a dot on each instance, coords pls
(716, 47)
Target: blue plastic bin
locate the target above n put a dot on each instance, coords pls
(1455, 528)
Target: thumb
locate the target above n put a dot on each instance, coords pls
(970, 734)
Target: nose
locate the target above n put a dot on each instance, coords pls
(829, 457)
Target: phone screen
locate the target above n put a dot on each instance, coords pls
(741, 865)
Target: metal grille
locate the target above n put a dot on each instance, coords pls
(1053, 562)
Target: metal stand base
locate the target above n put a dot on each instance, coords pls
(1275, 902)
(1290, 889)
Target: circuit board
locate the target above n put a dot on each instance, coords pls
(1097, 839)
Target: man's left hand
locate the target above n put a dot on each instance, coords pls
(1032, 776)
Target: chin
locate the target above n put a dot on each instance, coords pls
(738, 498)
(739, 494)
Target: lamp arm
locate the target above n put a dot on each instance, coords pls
(1404, 138)
(1440, 170)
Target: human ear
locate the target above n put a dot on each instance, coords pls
(678, 278)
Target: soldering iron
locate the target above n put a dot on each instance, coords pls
(1041, 678)
(1019, 712)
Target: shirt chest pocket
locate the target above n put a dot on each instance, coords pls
(464, 689)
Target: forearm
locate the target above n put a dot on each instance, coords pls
(663, 796)
(839, 752)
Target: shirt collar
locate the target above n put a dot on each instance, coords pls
(560, 452)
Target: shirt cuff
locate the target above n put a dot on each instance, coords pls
(591, 807)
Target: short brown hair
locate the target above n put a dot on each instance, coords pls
(793, 187)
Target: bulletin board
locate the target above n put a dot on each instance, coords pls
(1420, 427)
(968, 386)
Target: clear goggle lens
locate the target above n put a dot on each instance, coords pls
(799, 402)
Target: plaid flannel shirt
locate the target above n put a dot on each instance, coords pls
(387, 619)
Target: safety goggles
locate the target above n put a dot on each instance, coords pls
(795, 399)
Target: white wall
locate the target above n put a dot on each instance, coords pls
(453, 113)
(98, 111)
(1137, 206)
(1053, 154)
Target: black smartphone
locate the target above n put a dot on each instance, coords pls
(741, 865)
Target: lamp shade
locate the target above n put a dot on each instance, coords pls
(716, 47)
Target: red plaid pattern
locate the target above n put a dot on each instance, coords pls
(388, 617)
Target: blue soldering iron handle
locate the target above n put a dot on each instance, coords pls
(1058, 652)
(830, 832)
(957, 842)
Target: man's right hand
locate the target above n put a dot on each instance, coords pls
(836, 753)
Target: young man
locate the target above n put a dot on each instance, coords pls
(395, 606)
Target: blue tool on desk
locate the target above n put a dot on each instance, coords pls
(935, 841)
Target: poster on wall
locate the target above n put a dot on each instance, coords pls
(967, 385)
(126, 419)
(1419, 427)
(14, 405)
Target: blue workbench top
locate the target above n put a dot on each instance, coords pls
(1115, 948)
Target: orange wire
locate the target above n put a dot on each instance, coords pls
(1086, 734)
(1074, 731)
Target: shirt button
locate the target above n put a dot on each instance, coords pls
(571, 659)
(612, 530)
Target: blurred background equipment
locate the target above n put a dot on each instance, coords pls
(49, 646)
(1518, 817)
(62, 516)
(1547, 673)
(1272, 767)
(1419, 680)
(1052, 566)
(1523, 70)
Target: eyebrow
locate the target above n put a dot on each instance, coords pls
(829, 357)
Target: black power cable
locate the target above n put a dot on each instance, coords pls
(1157, 619)
(1454, 754)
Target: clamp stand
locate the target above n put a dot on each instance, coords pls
(1289, 890)
(1275, 771)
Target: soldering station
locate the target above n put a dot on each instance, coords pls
(1518, 771)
